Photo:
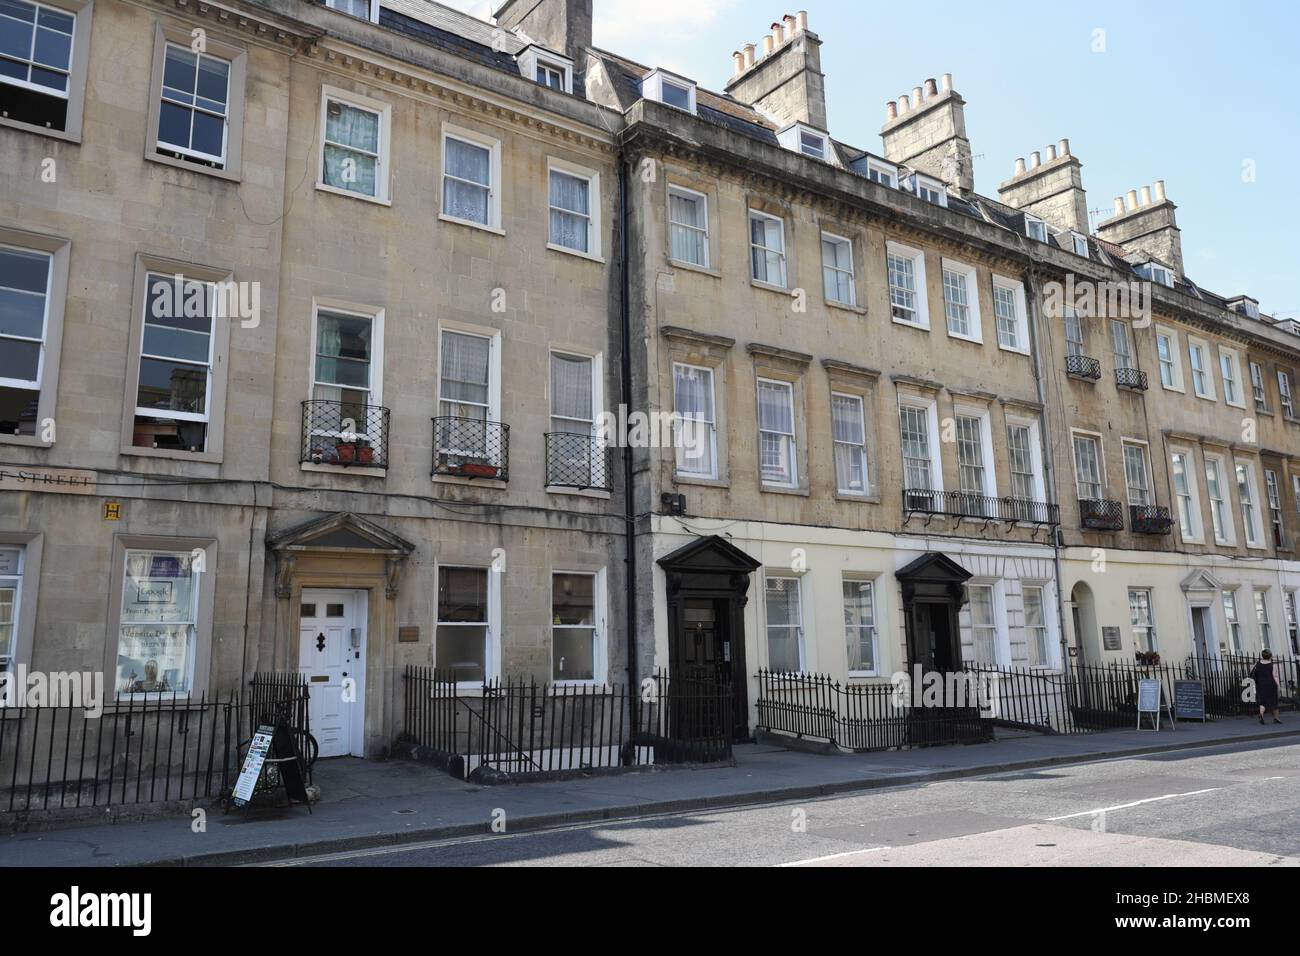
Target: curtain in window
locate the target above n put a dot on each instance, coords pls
(465, 375)
(571, 408)
(769, 249)
(570, 211)
(847, 431)
(774, 411)
(468, 176)
(693, 402)
(689, 239)
(351, 147)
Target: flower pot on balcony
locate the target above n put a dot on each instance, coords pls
(354, 453)
(479, 469)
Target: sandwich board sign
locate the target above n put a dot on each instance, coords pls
(1150, 701)
(1189, 700)
(258, 750)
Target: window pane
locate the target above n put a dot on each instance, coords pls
(174, 386)
(462, 595)
(860, 625)
(20, 360)
(573, 653)
(465, 361)
(783, 619)
(469, 161)
(462, 651)
(573, 599)
(156, 637)
(571, 398)
(18, 410)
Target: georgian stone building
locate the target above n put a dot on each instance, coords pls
(312, 311)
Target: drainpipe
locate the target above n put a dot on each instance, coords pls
(629, 509)
(1049, 461)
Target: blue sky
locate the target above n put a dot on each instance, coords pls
(1186, 92)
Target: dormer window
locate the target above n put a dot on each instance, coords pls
(931, 190)
(882, 173)
(361, 9)
(1157, 274)
(1035, 228)
(806, 140)
(670, 89)
(547, 68)
(1080, 244)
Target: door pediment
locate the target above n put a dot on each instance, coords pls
(710, 554)
(1201, 580)
(342, 533)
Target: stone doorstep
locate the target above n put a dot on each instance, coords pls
(542, 821)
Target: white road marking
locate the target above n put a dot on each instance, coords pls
(834, 856)
(1135, 803)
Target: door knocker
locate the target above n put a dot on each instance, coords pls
(320, 641)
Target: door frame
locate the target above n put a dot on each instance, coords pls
(358, 601)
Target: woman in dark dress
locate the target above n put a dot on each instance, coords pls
(1265, 686)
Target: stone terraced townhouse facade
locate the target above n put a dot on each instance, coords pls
(895, 446)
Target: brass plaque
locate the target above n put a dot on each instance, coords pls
(112, 511)
(408, 635)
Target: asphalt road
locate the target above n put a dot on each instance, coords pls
(1215, 807)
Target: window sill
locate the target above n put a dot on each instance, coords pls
(966, 338)
(693, 267)
(470, 482)
(919, 326)
(41, 130)
(1240, 405)
(701, 482)
(471, 224)
(340, 470)
(153, 156)
(29, 441)
(861, 499)
(785, 490)
(770, 287)
(579, 493)
(209, 458)
(1007, 348)
(845, 307)
(1174, 388)
(1263, 411)
(1208, 398)
(335, 190)
(864, 675)
(576, 253)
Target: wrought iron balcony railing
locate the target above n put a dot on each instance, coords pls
(1131, 378)
(1101, 514)
(471, 448)
(1150, 519)
(576, 461)
(345, 434)
(961, 504)
(1083, 366)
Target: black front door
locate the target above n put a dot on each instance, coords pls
(704, 651)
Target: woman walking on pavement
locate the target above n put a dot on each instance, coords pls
(1265, 686)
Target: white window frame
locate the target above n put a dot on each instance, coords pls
(594, 233)
(1096, 439)
(930, 408)
(1233, 619)
(970, 277)
(210, 365)
(1157, 274)
(921, 307)
(1077, 240)
(929, 190)
(783, 251)
(1258, 391)
(1152, 642)
(1033, 233)
(1223, 526)
(199, 157)
(78, 69)
(599, 465)
(997, 606)
(535, 58)
(795, 136)
(987, 467)
(1252, 520)
(376, 393)
(492, 640)
(1017, 290)
(682, 192)
(799, 628)
(885, 171)
(1230, 373)
(865, 490)
(1263, 620)
(1286, 393)
(839, 241)
(372, 5)
(793, 436)
(14, 581)
(1170, 336)
(1195, 534)
(1035, 456)
(483, 141)
(384, 111)
(599, 626)
(1121, 327)
(1200, 347)
(874, 627)
(1273, 495)
(1295, 491)
(1144, 450)
(493, 406)
(1050, 647)
(51, 334)
(712, 475)
(653, 84)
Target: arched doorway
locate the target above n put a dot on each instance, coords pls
(1086, 651)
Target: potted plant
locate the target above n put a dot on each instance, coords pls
(354, 453)
(1148, 658)
(479, 469)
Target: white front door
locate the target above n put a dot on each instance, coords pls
(332, 658)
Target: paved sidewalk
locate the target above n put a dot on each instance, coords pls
(368, 803)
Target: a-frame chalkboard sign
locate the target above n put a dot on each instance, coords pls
(272, 746)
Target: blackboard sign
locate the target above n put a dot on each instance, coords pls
(1189, 699)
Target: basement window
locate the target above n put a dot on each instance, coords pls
(1035, 228)
(670, 89)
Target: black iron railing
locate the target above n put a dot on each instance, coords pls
(1131, 378)
(1101, 514)
(1150, 519)
(522, 728)
(344, 434)
(961, 504)
(1083, 366)
(147, 748)
(471, 448)
(576, 461)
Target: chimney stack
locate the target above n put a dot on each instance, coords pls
(1148, 226)
(560, 25)
(787, 82)
(1051, 190)
(928, 134)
